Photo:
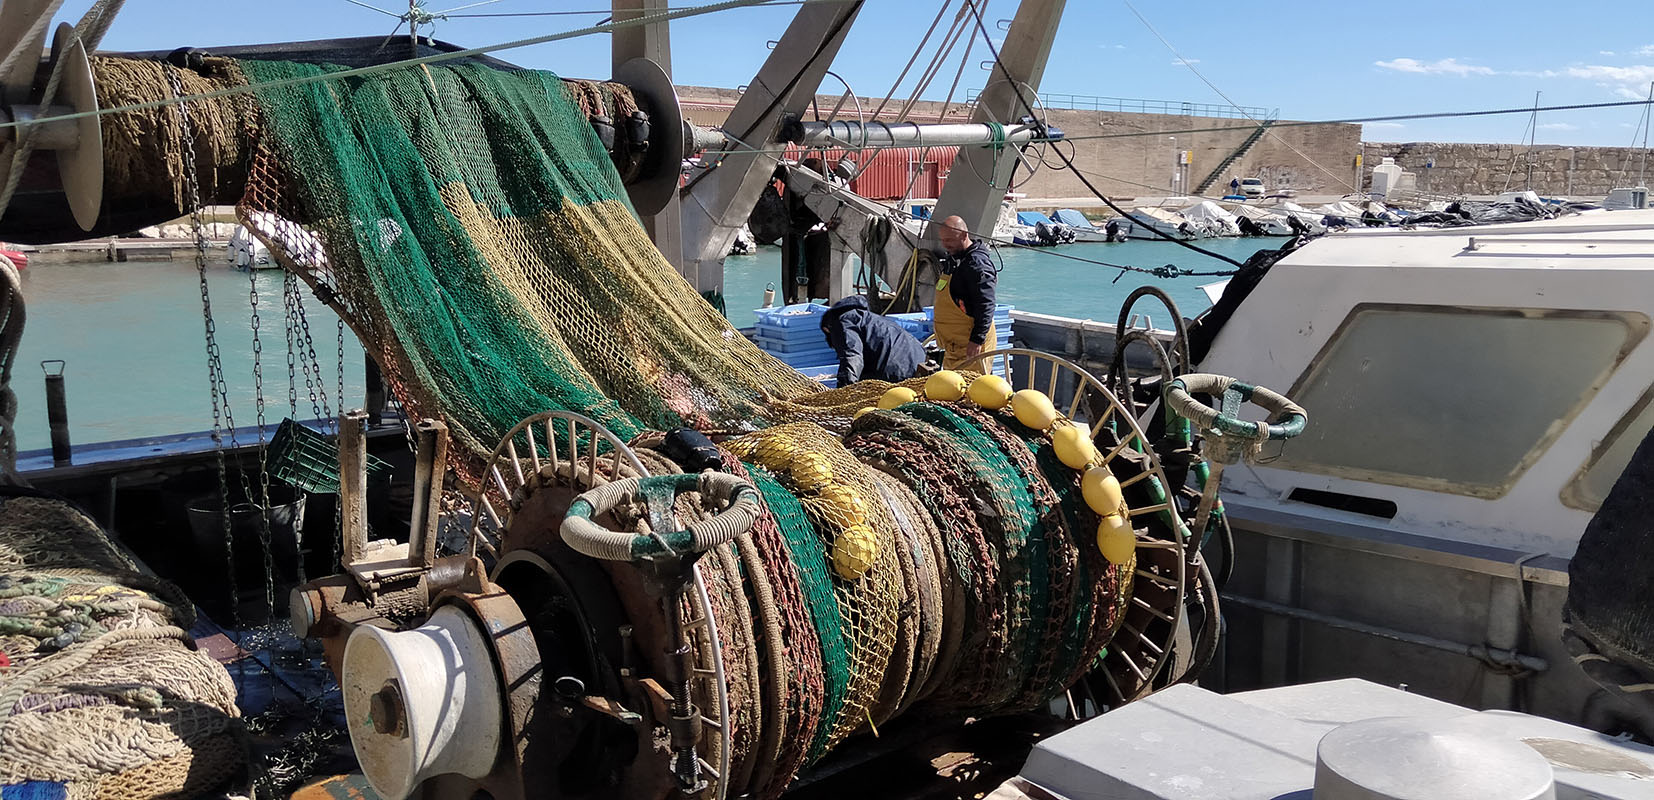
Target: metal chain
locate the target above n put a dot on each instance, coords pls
(290, 296)
(221, 416)
(264, 534)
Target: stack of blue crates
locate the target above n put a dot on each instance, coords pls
(793, 335)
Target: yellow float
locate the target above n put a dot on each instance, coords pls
(1101, 490)
(1115, 538)
(1034, 409)
(897, 396)
(991, 392)
(853, 551)
(811, 472)
(841, 505)
(946, 386)
(861, 411)
(1073, 445)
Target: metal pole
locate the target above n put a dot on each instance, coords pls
(374, 391)
(57, 412)
(353, 484)
(430, 461)
(909, 134)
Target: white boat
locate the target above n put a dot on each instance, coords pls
(245, 251)
(1141, 223)
(1080, 226)
(1271, 222)
(1212, 219)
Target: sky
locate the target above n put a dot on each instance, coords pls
(1309, 60)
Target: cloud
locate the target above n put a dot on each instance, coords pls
(1177, 63)
(1646, 50)
(1383, 125)
(1558, 126)
(1605, 52)
(1628, 93)
(1445, 66)
(1637, 73)
(1111, 47)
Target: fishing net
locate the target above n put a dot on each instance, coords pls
(468, 225)
(102, 692)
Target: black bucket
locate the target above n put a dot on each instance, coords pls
(285, 515)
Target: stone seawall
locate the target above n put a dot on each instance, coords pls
(1312, 159)
(1480, 169)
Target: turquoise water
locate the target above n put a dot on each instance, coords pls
(132, 333)
(1041, 280)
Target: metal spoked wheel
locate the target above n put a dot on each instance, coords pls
(1143, 646)
(575, 453)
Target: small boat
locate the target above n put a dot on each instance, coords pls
(245, 251)
(1037, 230)
(1138, 224)
(1080, 227)
(1212, 219)
(1254, 221)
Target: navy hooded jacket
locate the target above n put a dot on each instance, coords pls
(869, 346)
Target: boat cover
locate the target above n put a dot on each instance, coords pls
(1073, 219)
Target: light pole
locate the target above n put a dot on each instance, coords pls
(1175, 169)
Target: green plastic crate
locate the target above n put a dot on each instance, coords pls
(307, 460)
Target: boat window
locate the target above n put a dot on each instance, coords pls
(1596, 476)
(1451, 399)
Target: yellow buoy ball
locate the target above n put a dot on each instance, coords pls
(946, 386)
(741, 448)
(860, 412)
(1115, 539)
(811, 471)
(842, 505)
(1101, 490)
(898, 395)
(991, 392)
(1034, 409)
(1073, 445)
(853, 552)
(775, 453)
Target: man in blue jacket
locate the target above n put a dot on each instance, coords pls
(869, 346)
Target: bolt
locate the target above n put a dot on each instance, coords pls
(387, 710)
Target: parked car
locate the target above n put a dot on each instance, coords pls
(1252, 187)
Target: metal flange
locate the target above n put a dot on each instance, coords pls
(662, 164)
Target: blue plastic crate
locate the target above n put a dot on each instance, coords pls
(793, 316)
(773, 345)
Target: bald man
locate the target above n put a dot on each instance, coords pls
(964, 298)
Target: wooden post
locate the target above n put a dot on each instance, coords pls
(353, 484)
(430, 462)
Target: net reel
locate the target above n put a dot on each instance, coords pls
(606, 687)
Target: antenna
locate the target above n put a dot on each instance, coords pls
(417, 17)
(1642, 172)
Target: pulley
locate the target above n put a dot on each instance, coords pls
(77, 143)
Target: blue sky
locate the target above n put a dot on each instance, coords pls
(1310, 60)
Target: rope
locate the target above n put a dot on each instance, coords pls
(75, 659)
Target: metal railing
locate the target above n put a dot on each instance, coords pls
(1086, 102)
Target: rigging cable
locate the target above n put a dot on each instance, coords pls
(1312, 162)
(1017, 88)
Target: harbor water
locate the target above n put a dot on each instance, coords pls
(132, 333)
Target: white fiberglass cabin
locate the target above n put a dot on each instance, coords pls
(1473, 393)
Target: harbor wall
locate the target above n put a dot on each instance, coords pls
(1481, 169)
(1126, 154)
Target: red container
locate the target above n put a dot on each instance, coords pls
(894, 173)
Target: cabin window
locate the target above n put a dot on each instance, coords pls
(1451, 399)
(1596, 476)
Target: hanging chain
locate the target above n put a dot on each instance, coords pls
(221, 417)
(263, 453)
(289, 297)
